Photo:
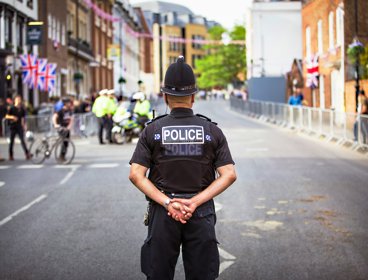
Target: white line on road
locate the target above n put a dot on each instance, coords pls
(16, 213)
(226, 255)
(225, 265)
(29, 166)
(218, 206)
(68, 175)
(4, 166)
(67, 166)
(2, 184)
(257, 150)
(104, 165)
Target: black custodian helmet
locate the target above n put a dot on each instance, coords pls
(179, 79)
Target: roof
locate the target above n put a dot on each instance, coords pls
(163, 7)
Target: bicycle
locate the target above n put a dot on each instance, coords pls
(41, 149)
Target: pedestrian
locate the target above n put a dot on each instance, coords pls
(295, 99)
(17, 122)
(3, 111)
(63, 122)
(100, 109)
(359, 118)
(111, 109)
(183, 152)
(142, 108)
(364, 116)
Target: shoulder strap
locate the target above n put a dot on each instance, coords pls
(155, 119)
(205, 118)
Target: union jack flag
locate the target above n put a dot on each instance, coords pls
(39, 75)
(50, 77)
(29, 66)
(312, 71)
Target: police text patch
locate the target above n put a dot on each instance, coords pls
(186, 134)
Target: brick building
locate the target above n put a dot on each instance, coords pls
(102, 73)
(54, 47)
(328, 28)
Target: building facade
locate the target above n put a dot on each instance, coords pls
(328, 29)
(102, 37)
(80, 53)
(174, 27)
(14, 16)
(55, 45)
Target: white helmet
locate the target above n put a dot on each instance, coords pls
(111, 92)
(139, 96)
(29, 136)
(103, 91)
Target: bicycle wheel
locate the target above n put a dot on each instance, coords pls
(64, 151)
(38, 150)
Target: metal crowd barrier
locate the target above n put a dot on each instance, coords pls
(345, 128)
(84, 125)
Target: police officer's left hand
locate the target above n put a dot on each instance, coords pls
(189, 206)
(177, 212)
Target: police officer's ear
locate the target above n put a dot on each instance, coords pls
(192, 98)
(166, 101)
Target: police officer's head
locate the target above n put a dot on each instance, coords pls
(179, 82)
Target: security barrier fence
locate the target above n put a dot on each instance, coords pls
(84, 125)
(345, 128)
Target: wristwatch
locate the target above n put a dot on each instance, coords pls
(167, 202)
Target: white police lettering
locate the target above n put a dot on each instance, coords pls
(190, 134)
(183, 150)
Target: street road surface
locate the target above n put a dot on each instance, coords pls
(297, 211)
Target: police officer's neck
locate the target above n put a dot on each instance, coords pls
(180, 105)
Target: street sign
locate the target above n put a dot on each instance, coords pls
(34, 33)
(113, 52)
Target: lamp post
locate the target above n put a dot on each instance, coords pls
(356, 44)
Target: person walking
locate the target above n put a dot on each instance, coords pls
(111, 109)
(17, 122)
(183, 152)
(100, 108)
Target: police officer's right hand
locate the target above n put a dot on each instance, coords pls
(177, 212)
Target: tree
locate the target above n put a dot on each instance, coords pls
(224, 64)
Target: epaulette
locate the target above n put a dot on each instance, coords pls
(155, 119)
(206, 118)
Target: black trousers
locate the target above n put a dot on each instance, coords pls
(66, 134)
(197, 237)
(13, 132)
(101, 125)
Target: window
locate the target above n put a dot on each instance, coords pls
(320, 37)
(308, 50)
(331, 39)
(339, 26)
(196, 45)
(63, 35)
(58, 31)
(30, 4)
(49, 26)
(321, 92)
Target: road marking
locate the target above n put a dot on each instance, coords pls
(224, 265)
(2, 184)
(254, 150)
(229, 258)
(226, 255)
(67, 166)
(104, 165)
(68, 175)
(29, 166)
(25, 208)
(218, 206)
(4, 166)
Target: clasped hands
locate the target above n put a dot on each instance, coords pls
(181, 210)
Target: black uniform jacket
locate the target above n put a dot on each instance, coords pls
(182, 151)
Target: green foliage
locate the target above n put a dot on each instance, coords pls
(223, 64)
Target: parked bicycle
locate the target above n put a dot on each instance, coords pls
(64, 149)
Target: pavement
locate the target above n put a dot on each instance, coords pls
(297, 211)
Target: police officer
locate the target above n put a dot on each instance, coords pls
(183, 152)
(100, 109)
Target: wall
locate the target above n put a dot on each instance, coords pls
(271, 89)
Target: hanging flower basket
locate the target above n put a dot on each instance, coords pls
(354, 51)
(121, 80)
(78, 76)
